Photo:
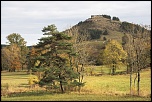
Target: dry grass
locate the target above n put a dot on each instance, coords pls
(116, 85)
(13, 82)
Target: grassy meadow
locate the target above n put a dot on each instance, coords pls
(97, 88)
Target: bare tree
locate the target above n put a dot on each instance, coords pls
(80, 47)
(137, 47)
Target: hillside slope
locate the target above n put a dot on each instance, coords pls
(101, 27)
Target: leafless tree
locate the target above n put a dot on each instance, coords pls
(137, 46)
(80, 46)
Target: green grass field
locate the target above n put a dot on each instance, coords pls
(74, 97)
(97, 88)
(105, 69)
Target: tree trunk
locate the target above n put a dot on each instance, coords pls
(138, 87)
(61, 86)
(138, 82)
(113, 69)
(135, 80)
(131, 72)
(22, 66)
(82, 70)
(127, 69)
(70, 58)
(130, 83)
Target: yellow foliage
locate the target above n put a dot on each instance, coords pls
(37, 63)
(32, 80)
(33, 51)
(114, 52)
(12, 56)
(64, 55)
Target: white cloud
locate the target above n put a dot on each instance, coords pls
(29, 17)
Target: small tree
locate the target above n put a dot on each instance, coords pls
(113, 54)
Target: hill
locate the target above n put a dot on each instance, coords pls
(101, 27)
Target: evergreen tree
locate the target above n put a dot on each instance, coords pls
(55, 56)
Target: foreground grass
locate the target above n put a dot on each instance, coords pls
(73, 97)
(97, 88)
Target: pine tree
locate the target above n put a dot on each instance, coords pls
(55, 55)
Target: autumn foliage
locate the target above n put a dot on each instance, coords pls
(11, 57)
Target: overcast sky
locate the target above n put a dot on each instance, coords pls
(28, 18)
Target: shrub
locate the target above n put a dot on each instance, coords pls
(107, 16)
(32, 81)
(105, 32)
(104, 38)
(115, 18)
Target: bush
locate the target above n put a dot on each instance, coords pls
(115, 18)
(104, 38)
(32, 81)
(107, 16)
(105, 32)
(95, 33)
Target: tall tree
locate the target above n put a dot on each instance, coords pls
(138, 48)
(80, 46)
(31, 58)
(5, 62)
(127, 41)
(113, 54)
(15, 38)
(58, 69)
(11, 57)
